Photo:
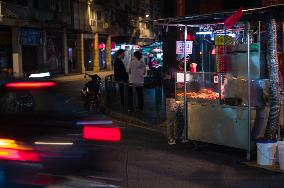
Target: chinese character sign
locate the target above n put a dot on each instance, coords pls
(221, 43)
(180, 47)
(220, 59)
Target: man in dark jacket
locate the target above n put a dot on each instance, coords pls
(120, 74)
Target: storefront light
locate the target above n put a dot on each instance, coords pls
(160, 55)
(228, 34)
(213, 52)
(102, 46)
(40, 75)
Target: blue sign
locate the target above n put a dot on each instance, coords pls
(31, 36)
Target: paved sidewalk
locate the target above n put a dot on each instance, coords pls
(153, 116)
(78, 76)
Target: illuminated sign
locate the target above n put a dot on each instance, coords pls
(180, 47)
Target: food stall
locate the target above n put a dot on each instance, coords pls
(218, 113)
(153, 59)
(153, 55)
(229, 107)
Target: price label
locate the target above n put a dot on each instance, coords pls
(216, 79)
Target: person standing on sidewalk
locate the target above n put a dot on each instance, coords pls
(137, 71)
(120, 74)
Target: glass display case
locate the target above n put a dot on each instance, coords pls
(212, 88)
(200, 88)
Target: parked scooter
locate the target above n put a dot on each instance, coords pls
(91, 92)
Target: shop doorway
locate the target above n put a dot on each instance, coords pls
(6, 62)
(54, 47)
(30, 59)
(89, 54)
(102, 52)
(72, 53)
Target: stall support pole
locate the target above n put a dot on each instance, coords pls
(282, 37)
(258, 38)
(258, 41)
(209, 60)
(202, 55)
(249, 94)
(185, 133)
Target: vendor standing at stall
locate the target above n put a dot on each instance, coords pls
(137, 71)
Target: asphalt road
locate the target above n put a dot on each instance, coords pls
(144, 159)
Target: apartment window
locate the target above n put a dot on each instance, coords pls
(35, 4)
(52, 4)
(22, 2)
(113, 16)
(66, 6)
(59, 6)
(99, 16)
(19, 2)
(41, 5)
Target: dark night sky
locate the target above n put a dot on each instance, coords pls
(233, 4)
(193, 6)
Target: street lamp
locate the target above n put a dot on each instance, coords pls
(147, 15)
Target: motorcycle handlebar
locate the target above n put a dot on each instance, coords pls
(92, 76)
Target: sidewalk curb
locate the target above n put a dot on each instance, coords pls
(161, 127)
(78, 76)
(270, 168)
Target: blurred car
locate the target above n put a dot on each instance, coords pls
(37, 140)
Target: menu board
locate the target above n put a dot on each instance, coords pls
(221, 43)
(220, 59)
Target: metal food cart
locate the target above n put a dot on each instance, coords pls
(229, 108)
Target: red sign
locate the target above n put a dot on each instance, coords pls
(102, 46)
(112, 45)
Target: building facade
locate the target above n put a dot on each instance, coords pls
(34, 35)
(114, 22)
(64, 36)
